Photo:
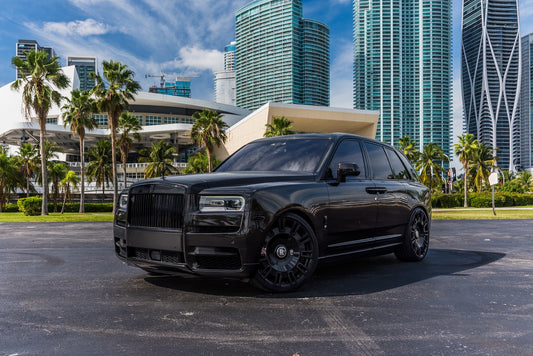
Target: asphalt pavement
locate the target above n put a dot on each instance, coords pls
(63, 292)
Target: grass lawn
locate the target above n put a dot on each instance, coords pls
(438, 214)
(475, 214)
(56, 217)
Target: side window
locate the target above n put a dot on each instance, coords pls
(398, 168)
(348, 151)
(378, 161)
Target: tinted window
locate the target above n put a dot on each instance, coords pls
(297, 155)
(378, 161)
(349, 151)
(400, 172)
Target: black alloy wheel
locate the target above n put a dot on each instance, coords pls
(416, 238)
(288, 255)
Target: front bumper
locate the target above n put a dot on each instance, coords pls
(200, 251)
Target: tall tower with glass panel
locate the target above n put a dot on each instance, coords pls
(280, 56)
(402, 67)
(24, 46)
(84, 67)
(491, 70)
(526, 104)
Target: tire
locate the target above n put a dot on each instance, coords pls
(288, 257)
(415, 243)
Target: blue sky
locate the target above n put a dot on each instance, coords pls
(179, 37)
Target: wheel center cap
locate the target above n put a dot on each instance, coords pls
(281, 251)
(417, 234)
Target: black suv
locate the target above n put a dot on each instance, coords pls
(276, 207)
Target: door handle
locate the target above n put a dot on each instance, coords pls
(376, 190)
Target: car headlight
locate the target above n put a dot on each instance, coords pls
(221, 203)
(123, 201)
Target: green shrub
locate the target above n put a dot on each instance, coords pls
(89, 207)
(447, 200)
(484, 200)
(11, 208)
(30, 206)
(523, 199)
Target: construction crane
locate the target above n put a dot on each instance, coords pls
(162, 76)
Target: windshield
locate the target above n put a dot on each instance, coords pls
(294, 155)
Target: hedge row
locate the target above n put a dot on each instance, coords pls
(481, 200)
(32, 206)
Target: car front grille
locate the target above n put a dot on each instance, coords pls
(145, 254)
(160, 210)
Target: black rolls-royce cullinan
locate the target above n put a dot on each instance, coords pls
(274, 208)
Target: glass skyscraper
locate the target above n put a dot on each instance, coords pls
(280, 56)
(402, 67)
(25, 46)
(526, 104)
(491, 76)
(84, 67)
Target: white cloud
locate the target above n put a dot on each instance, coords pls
(201, 59)
(341, 76)
(88, 27)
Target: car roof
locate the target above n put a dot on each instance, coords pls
(334, 136)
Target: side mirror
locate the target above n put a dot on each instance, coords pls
(347, 169)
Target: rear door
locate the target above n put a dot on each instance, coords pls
(390, 176)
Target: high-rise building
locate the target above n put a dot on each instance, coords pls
(402, 67)
(225, 80)
(526, 104)
(84, 67)
(491, 76)
(280, 56)
(24, 46)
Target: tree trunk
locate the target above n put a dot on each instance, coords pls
(65, 198)
(124, 158)
(465, 167)
(82, 173)
(44, 183)
(27, 187)
(113, 158)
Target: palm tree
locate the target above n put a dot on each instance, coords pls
(10, 178)
(280, 127)
(113, 99)
(525, 180)
(481, 164)
(99, 168)
(464, 149)
(197, 163)
(71, 180)
(78, 114)
(408, 147)
(28, 159)
(57, 171)
(428, 165)
(160, 158)
(40, 76)
(51, 150)
(127, 124)
(208, 130)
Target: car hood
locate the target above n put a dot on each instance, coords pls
(197, 182)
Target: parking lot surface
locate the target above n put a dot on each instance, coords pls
(62, 291)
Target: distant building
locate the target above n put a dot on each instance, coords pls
(180, 87)
(225, 80)
(403, 68)
(280, 56)
(491, 76)
(526, 104)
(84, 67)
(24, 46)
